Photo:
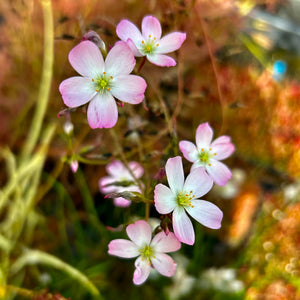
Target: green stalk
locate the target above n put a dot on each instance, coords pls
(45, 85)
(32, 257)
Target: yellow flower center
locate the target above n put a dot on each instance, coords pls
(184, 199)
(102, 83)
(205, 156)
(149, 46)
(146, 253)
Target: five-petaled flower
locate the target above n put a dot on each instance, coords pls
(149, 43)
(207, 154)
(151, 254)
(182, 197)
(118, 174)
(101, 81)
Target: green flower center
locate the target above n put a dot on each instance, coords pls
(184, 199)
(102, 83)
(205, 156)
(149, 46)
(146, 253)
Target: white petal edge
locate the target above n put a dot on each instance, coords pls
(164, 199)
(164, 264)
(141, 272)
(165, 243)
(204, 135)
(206, 213)
(175, 174)
(87, 59)
(183, 227)
(123, 248)
(140, 233)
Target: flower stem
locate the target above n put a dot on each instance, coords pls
(32, 257)
(44, 90)
(141, 65)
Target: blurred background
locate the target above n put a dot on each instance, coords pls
(238, 70)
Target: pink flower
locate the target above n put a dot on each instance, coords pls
(151, 254)
(182, 197)
(119, 173)
(101, 81)
(207, 154)
(149, 43)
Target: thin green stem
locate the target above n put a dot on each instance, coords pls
(45, 86)
(33, 257)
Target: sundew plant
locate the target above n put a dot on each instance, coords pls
(151, 151)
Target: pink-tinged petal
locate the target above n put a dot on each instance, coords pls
(219, 172)
(116, 169)
(165, 243)
(119, 60)
(87, 59)
(104, 184)
(223, 139)
(121, 202)
(175, 175)
(161, 60)
(189, 150)
(206, 213)
(164, 199)
(151, 28)
(134, 49)
(123, 248)
(171, 42)
(197, 164)
(199, 182)
(164, 264)
(129, 88)
(102, 111)
(141, 272)
(127, 30)
(140, 233)
(183, 227)
(77, 91)
(136, 168)
(222, 150)
(204, 136)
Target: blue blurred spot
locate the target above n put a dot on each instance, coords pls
(279, 69)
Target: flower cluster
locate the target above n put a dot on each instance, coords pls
(104, 79)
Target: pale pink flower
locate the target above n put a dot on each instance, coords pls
(149, 42)
(118, 173)
(207, 154)
(101, 81)
(150, 253)
(181, 197)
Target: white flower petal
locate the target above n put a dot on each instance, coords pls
(219, 172)
(104, 185)
(129, 88)
(206, 213)
(204, 134)
(127, 30)
(189, 150)
(183, 227)
(175, 175)
(123, 248)
(222, 150)
(116, 169)
(136, 168)
(164, 199)
(102, 111)
(119, 60)
(199, 182)
(87, 59)
(171, 42)
(161, 60)
(164, 264)
(77, 91)
(165, 243)
(141, 272)
(151, 26)
(140, 233)
(121, 202)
